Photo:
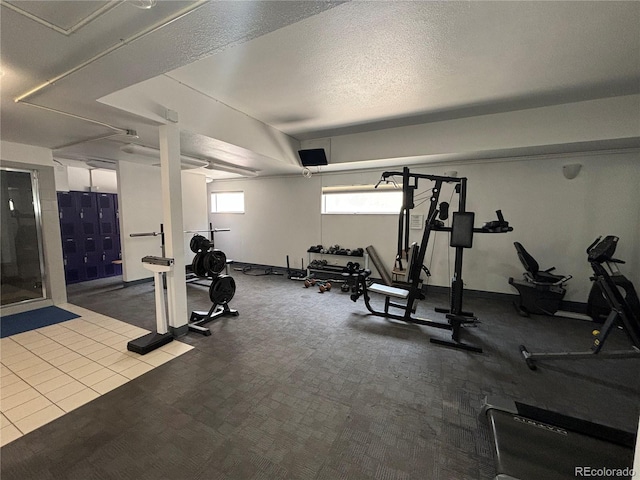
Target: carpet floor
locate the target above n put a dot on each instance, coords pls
(303, 385)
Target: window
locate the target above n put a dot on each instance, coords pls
(364, 199)
(227, 202)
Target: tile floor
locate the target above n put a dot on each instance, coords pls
(52, 370)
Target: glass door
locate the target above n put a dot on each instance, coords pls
(21, 257)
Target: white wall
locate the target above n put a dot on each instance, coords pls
(194, 208)
(140, 204)
(595, 120)
(78, 179)
(282, 217)
(28, 157)
(103, 181)
(18, 152)
(61, 176)
(554, 218)
(140, 208)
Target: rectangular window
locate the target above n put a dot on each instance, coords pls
(227, 202)
(362, 199)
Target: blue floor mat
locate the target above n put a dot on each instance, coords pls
(23, 322)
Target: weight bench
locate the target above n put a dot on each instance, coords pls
(389, 292)
(389, 289)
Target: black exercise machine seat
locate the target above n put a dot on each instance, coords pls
(533, 272)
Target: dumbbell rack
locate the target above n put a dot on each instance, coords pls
(335, 268)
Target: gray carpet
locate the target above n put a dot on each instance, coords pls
(303, 385)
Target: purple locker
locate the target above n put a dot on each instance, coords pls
(90, 239)
(74, 269)
(110, 268)
(116, 209)
(88, 212)
(68, 213)
(109, 254)
(73, 275)
(92, 244)
(107, 213)
(93, 267)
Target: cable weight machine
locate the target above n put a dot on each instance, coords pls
(461, 231)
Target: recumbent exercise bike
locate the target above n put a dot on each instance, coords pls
(541, 292)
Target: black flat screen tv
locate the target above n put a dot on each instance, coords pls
(313, 157)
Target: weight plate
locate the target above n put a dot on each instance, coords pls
(197, 266)
(218, 261)
(199, 243)
(194, 244)
(222, 289)
(207, 263)
(214, 262)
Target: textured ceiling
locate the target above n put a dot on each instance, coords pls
(384, 62)
(309, 69)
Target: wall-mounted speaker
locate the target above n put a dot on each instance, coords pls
(313, 157)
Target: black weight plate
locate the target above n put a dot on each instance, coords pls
(214, 262)
(194, 244)
(199, 243)
(218, 261)
(197, 266)
(222, 289)
(207, 263)
(194, 263)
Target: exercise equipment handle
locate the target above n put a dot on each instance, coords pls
(595, 242)
(145, 234)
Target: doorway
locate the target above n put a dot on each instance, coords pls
(21, 253)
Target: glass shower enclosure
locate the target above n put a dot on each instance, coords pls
(21, 253)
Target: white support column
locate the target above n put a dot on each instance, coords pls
(171, 178)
